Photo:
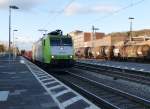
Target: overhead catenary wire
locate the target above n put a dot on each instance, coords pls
(117, 11)
(58, 13)
(132, 4)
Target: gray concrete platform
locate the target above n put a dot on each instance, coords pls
(23, 85)
(122, 65)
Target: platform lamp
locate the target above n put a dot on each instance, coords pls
(10, 7)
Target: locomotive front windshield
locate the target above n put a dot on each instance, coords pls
(66, 41)
(55, 41)
(60, 41)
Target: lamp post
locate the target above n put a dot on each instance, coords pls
(131, 20)
(10, 7)
(14, 44)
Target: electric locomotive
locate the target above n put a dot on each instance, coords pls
(54, 49)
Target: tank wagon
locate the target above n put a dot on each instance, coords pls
(84, 52)
(55, 49)
(126, 52)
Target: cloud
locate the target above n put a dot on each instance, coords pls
(3, 3)
(23, 42)
(23, 4)
(76, 8)
(25, 39)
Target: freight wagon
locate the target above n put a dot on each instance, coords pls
(28, 55)
(126, 52)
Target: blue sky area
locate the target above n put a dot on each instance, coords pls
(69, 15)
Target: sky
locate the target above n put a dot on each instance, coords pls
(70, 15)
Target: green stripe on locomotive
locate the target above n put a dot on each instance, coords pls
(46, 50)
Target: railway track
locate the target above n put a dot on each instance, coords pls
(101, 94)
(117, 73)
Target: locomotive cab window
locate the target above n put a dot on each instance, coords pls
(60, 41)
(55, 41)
(66, 41)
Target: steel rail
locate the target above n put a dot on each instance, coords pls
(117, 91)
(139, 78)
(132, 98)
(99, 101)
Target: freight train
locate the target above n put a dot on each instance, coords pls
(54, 49)
(125, 53)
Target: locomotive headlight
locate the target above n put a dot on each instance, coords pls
(53, 57)
(61, 48)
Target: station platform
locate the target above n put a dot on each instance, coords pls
(121, 65)
(24, 85)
